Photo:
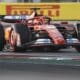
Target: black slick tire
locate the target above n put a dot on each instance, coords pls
(24, 34)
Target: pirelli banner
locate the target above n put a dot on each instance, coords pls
(57, 11)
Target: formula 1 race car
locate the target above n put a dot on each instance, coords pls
(22, 32)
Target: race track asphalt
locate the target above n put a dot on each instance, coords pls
(13, 71)
(38, 72)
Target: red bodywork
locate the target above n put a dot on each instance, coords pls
(39, 23)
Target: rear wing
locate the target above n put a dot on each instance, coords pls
(17, 17)
(2, 19)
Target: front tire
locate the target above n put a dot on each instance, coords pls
(19, 35)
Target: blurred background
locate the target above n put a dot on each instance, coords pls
(39, 0)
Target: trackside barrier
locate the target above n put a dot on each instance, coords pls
(57, 11)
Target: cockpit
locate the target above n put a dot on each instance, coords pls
(39, 21)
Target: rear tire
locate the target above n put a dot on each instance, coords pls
(2, 39)
(24, 37)
(78, 36)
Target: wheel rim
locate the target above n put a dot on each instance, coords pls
(13, 39)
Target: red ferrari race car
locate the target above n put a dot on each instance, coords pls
(22, 32)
